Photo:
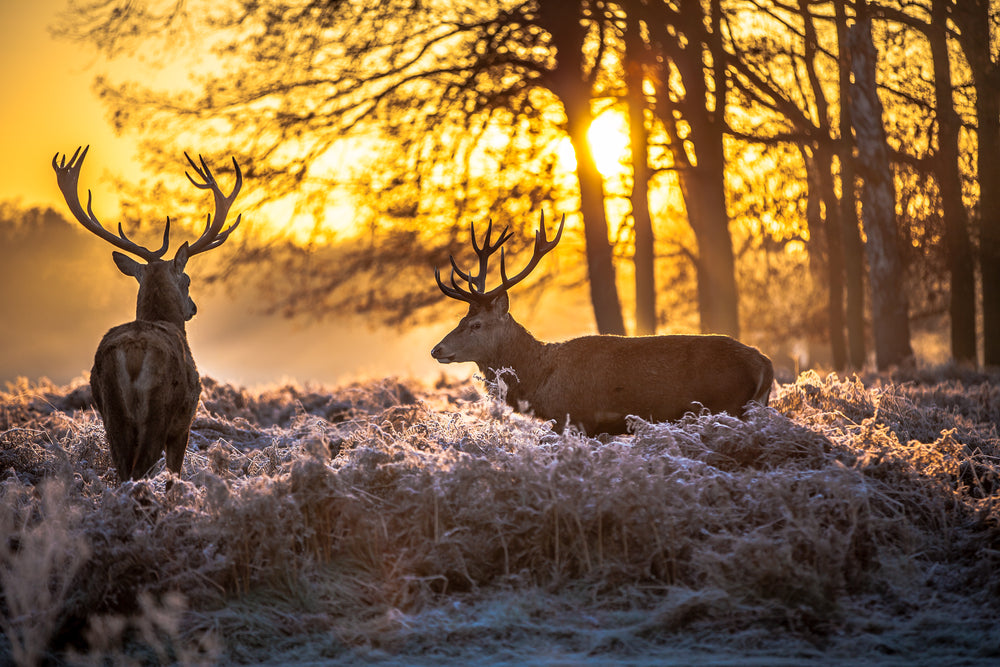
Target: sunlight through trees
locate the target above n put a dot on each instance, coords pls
(736, 113)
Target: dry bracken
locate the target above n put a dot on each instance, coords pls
(393, 521)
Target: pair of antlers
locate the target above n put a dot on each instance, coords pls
(68, 177)
(476, 293)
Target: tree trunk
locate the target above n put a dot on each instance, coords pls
(973, 18)
(716, 245)
(890, 320)
(705, 200)
(854, 266)
(988, 118)
(956, 226)
(644, 259)
(600, 262)
(573, 85)
(830, 224)
(703, 181)
(821, 189)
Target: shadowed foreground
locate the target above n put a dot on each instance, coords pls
(394, 523)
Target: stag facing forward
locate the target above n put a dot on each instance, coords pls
(594, 382)
(144, 379)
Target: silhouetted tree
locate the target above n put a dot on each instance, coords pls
(854, 267)
(890, 317)
(977, 26)
(572, 79)
(435, 85)
(765, 65)
(961, 267)
(945, 164)
(636, 61)
(687, 35)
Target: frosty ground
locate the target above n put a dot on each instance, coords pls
(853, 521)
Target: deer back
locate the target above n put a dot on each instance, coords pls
(595, 382)
(144, 379)
(146, 387)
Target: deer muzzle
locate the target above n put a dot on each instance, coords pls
(439, 353)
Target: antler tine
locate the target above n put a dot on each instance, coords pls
(477, 294)
(488, 248)
(542, 246)
(455, 292)
(155, 254)
(477, 283)
(68, 178)
(214, 235)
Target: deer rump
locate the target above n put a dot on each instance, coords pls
(146, 387)
(597, 381)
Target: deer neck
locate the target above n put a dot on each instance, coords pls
(524, 354)
(157, 303)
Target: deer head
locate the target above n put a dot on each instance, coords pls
(163, 285)
(483, 329)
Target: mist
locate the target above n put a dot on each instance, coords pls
(61, 292)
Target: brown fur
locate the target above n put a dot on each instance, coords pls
(144, 379)
(594, 382)
(146, 388)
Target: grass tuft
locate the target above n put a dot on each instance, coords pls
(393, 522)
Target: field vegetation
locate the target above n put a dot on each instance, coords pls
(855, 520)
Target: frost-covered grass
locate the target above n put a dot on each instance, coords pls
(391, 522)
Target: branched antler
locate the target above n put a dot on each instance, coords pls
(213, 237)
(68, 178)
(476, 293)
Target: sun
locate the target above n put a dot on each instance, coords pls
(608, 138)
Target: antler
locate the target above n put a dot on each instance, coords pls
(477, 294)
(212, 237)
(68, 177)
(479, 280)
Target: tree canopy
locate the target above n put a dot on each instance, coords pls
(373, 132)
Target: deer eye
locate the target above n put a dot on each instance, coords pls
(475, 325)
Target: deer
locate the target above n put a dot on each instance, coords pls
(144, 380)
(592, 383)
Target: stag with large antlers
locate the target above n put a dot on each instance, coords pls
(593, 382)
(144, 379)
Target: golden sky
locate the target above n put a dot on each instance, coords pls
(48, 106)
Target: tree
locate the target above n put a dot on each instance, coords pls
(961, 268)
(824, 183)
(976, 30)
(766, 68)
(854, 267)
(436, 86)
(636, 61)
(890, 317)
(688, 37)
(572, 81)
(946, 167)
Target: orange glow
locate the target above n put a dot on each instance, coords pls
(608, 137)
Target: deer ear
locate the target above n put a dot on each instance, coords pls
(127, 265)
(181, 258)
(501, 304)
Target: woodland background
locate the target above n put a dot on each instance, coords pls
(815, 177)
(797, 173)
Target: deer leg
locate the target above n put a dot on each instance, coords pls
(176, 448)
